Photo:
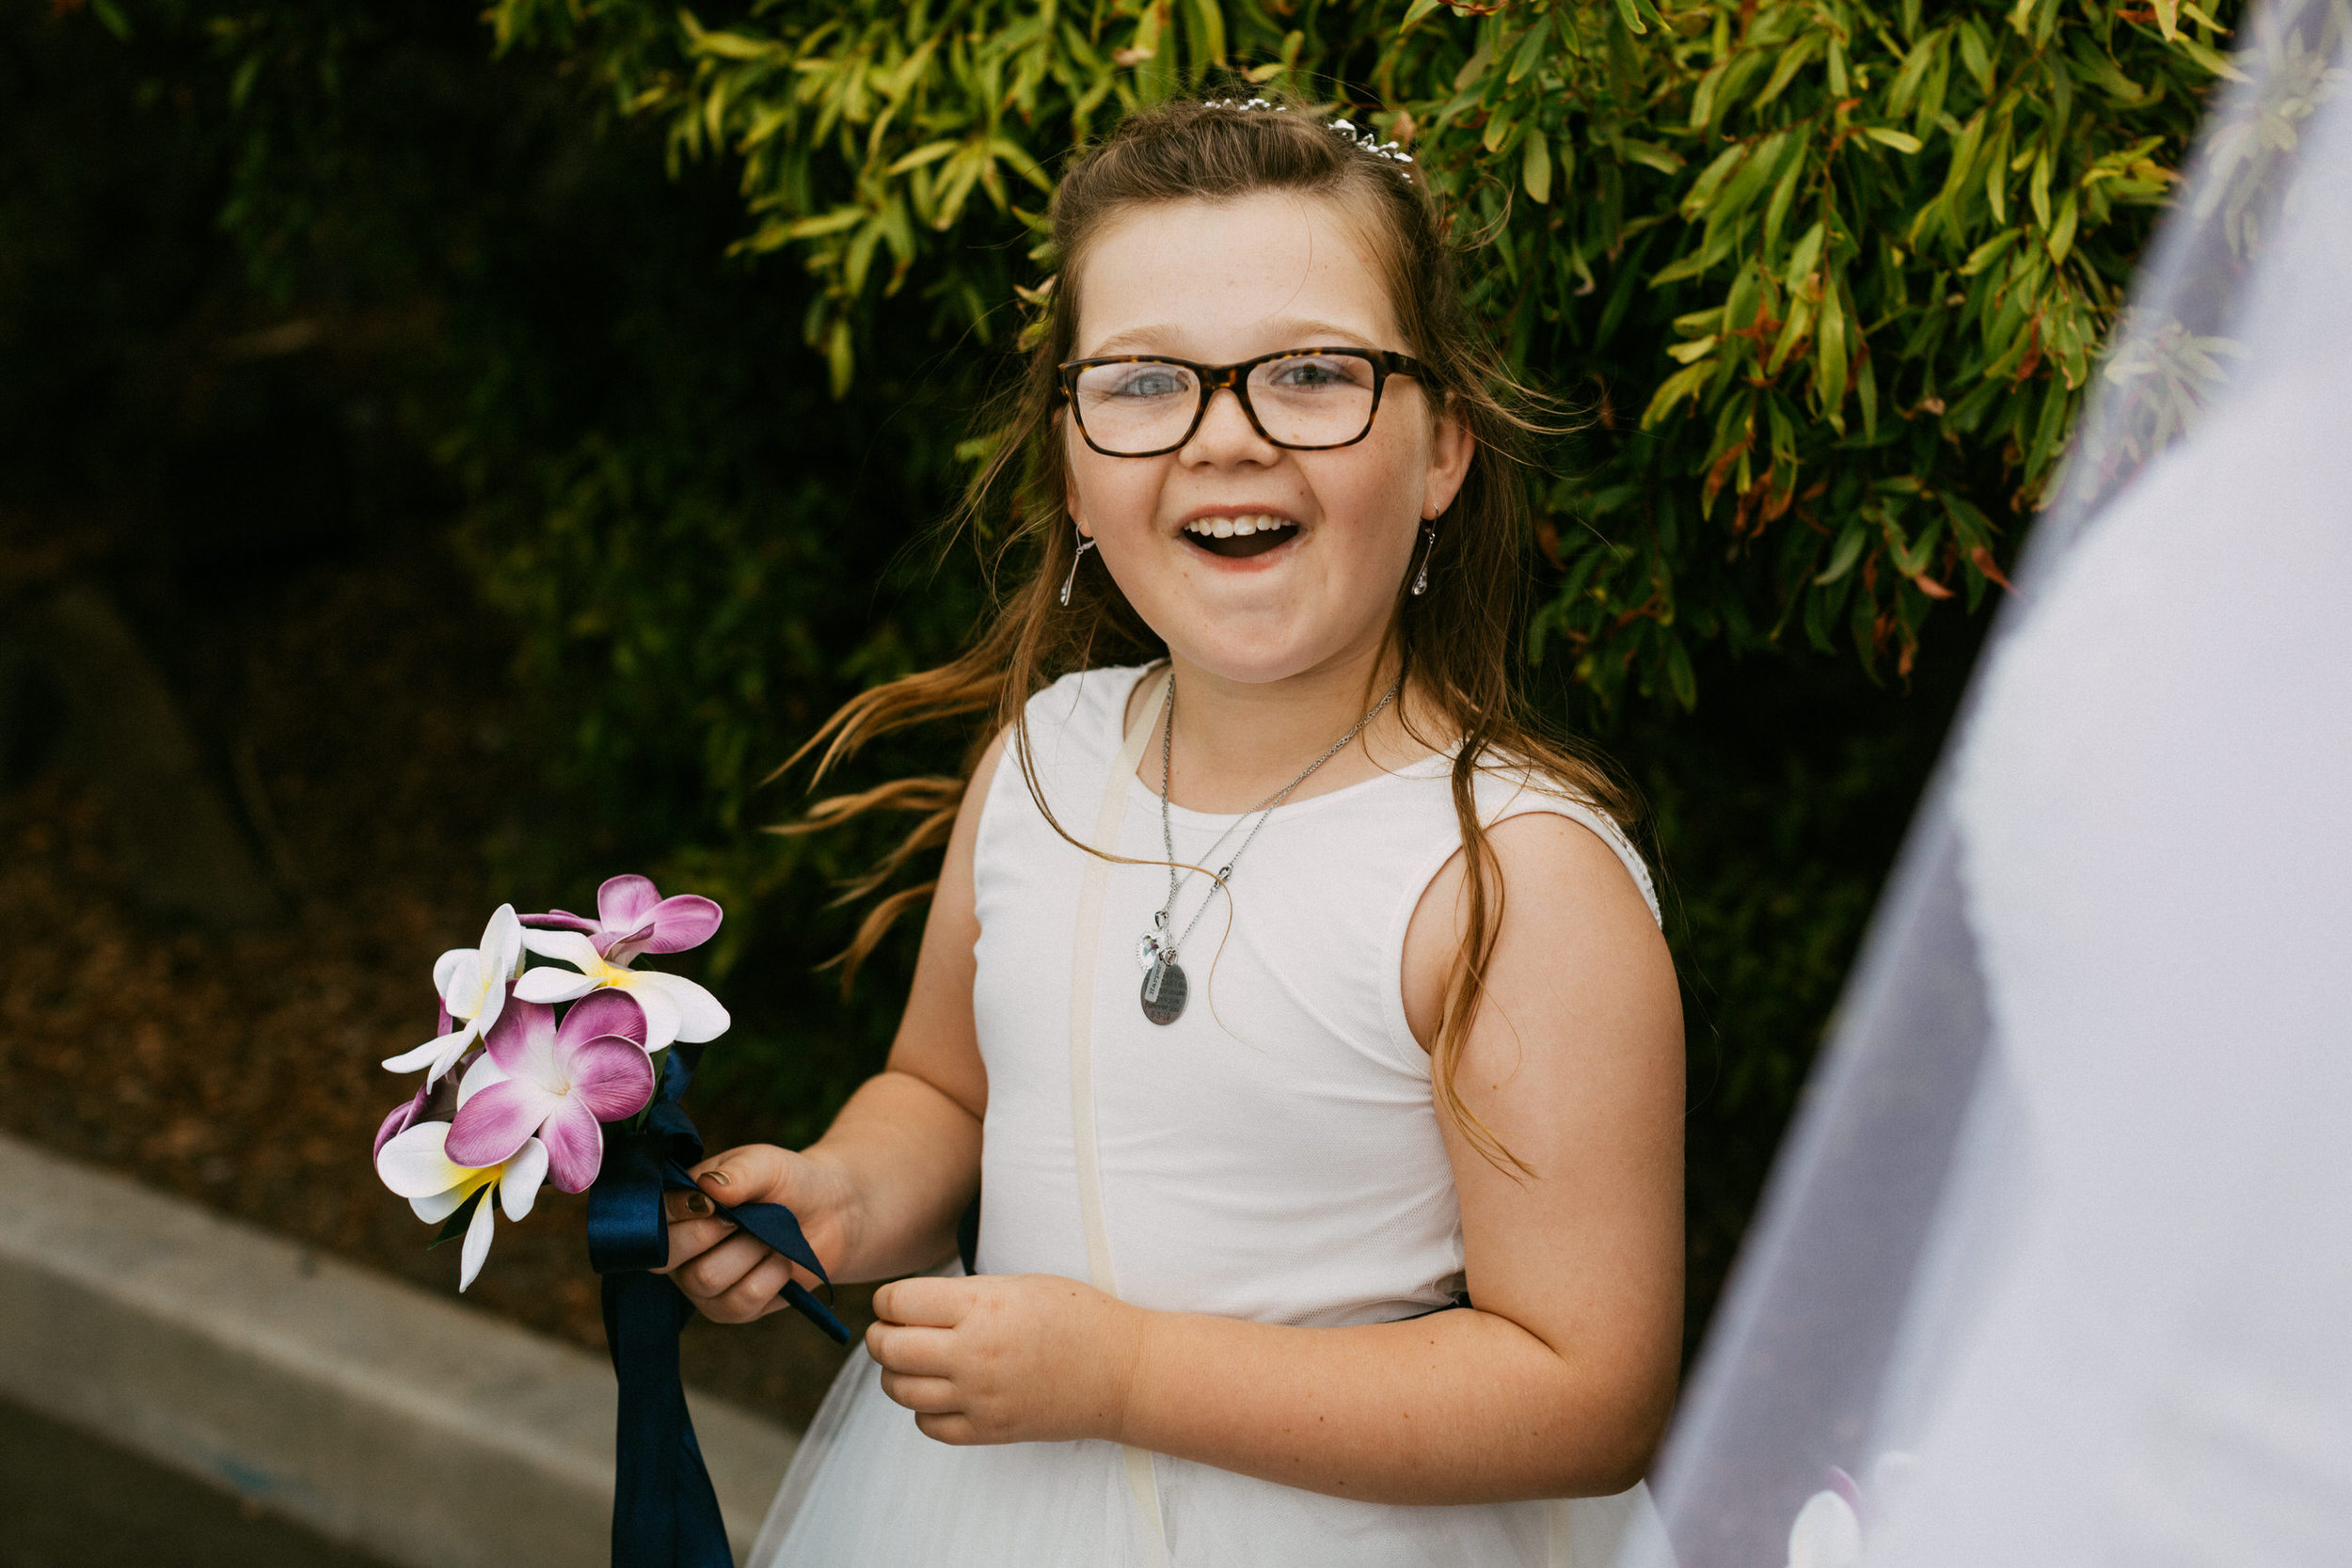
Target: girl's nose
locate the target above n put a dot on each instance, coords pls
(1226, 436)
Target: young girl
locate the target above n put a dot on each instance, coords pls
(1299, 1010)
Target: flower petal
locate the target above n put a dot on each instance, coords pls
(523, 1043)
(612, 1077)
(494, 1124)
(399, 1120)
(1826, 1533)
(503, 942)
(477, 1244)
(415, 1163)
(552, 985)
(683, 921)
(700, 1016)
(559, 920)
(622, 902)
(518, 1188)
(662, 1015)
(568, 947)
(437, 1055)
(575, 1142)
(602, 1012)
(460, 979)
(435, 1207)
(445, 967)
(480, 1076)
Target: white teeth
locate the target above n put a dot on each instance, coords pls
(1230, 527)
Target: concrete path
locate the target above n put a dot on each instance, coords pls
(68, 1501)
(366, 1410)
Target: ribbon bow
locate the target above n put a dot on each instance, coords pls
(664, 1513)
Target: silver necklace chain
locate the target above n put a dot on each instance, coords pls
(1157, 948)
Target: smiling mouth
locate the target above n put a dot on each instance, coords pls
(1235, 537)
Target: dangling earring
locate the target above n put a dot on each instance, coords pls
(1085, 545)
(1420, 581)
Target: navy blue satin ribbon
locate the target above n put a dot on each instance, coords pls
(664, 1513)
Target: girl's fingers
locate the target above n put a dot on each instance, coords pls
(922, 1395)
(756, 1173)
(754, 1295)
(712, 1274)
(912, 1352)
(924, 1303)
(693, 1237)
(954, 1428)
(678, 1206)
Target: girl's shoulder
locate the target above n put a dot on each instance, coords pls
(1089, 701)
(1508, 787)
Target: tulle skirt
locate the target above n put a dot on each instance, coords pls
(867, 1490)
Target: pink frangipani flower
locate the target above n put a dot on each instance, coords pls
(632, 917)
(558, 1082)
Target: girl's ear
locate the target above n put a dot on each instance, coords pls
(1451, 448)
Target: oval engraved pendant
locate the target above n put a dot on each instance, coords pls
(1164, 992)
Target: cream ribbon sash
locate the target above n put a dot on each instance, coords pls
(1083, 964)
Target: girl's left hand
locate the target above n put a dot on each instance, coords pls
(1007, 1358)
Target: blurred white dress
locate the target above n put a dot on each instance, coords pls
(1272, 1155)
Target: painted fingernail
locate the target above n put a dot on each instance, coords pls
(718, 1176)
(697, 1205)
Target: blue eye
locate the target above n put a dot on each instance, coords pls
(1310, 375)
(1151, 381)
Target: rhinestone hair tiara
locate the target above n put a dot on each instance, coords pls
(1344, 129)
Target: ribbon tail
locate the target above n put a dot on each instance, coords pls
(665, 1513)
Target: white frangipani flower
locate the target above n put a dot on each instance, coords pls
(413, 1166)
(473, 982)
(676, 1008)
(1827, 1535)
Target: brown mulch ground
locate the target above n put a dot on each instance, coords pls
(241, 1069)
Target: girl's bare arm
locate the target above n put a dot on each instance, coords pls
(880, 1194)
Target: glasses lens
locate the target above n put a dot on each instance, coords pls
(1313, 400)
(1137, 407)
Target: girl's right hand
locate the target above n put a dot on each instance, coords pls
(732, 1277)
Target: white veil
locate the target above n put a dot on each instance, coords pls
(2057, 1263)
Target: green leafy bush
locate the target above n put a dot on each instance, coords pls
(1831, 276)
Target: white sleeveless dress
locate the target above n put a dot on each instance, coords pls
(1272, 1155)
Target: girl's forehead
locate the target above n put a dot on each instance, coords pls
(1225, 280)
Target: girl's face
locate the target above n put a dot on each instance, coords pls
(1335, 533)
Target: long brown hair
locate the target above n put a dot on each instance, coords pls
(1457, 642)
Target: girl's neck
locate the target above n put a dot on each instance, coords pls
(1236, 742)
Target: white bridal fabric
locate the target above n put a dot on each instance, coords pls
(2057, 1268)
(1272, 1155)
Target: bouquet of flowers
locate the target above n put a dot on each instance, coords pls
(516, 1093)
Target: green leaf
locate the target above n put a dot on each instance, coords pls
(1630, 13)
(1792, 59)
(2062, 231)
(1682, 383)
(928, 154)
(1900, 140)
(1535, 166)
(1987, 253)
(1801, 260)
(1848, 551)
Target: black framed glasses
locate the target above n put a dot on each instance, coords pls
(1303, 398)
